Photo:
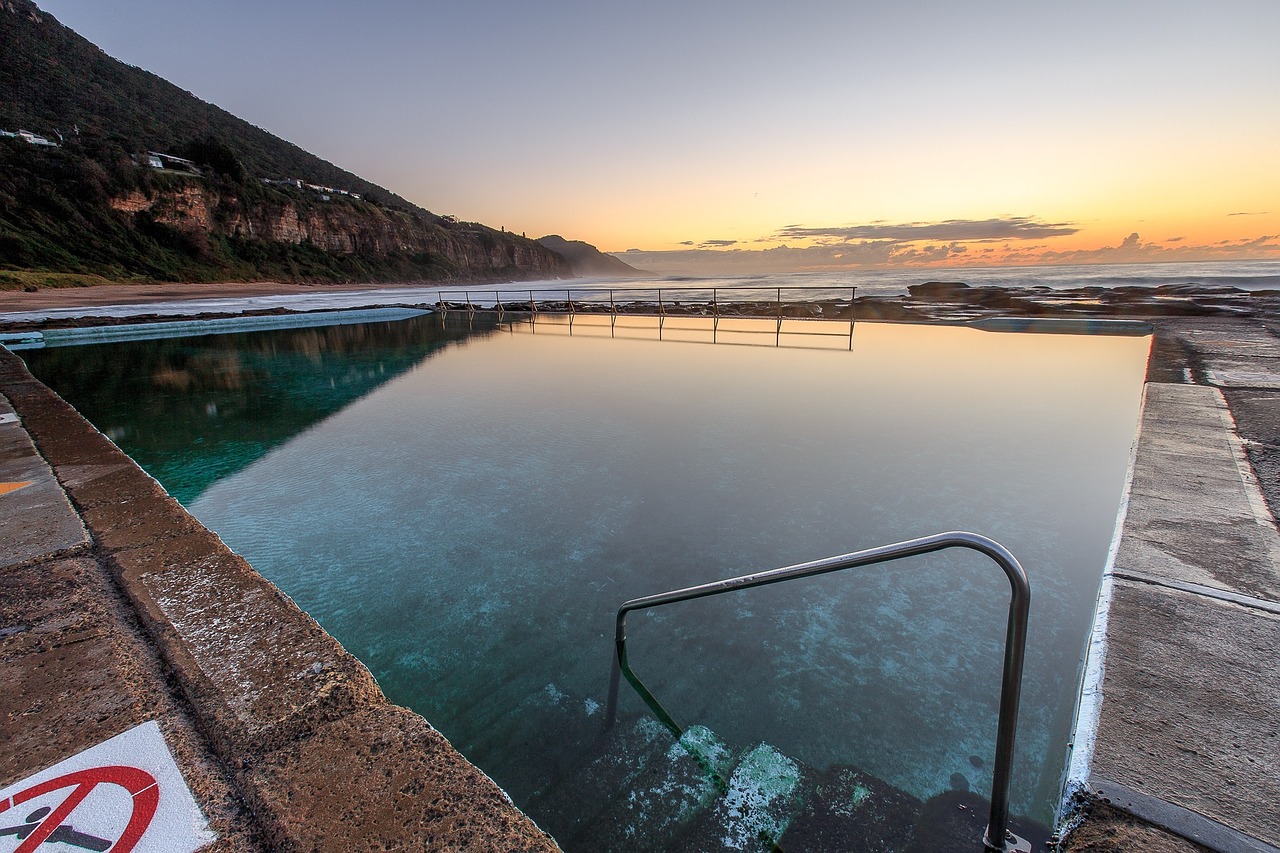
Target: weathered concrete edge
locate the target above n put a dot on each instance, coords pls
(1204, 591)
(1248, 479)
(1089, 703)
(1182, 822)
(142, 331)
(1081, 808)
(302, 759)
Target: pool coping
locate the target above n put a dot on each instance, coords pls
(1089, 704)
(16, 341)
(1166, 731)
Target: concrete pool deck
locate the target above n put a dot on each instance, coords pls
(118, 607)
(1188, 724)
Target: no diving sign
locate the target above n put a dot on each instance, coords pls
(125, 794)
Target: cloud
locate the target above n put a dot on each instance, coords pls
(950, 230)
(929, 254)
(716, 244)
(1133, 250)
(879, 254)
(686, 242)
(1251, 213)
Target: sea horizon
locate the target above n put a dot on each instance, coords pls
(1254, 276)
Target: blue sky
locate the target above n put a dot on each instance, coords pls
(738, 126)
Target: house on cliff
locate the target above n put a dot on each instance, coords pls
(29, 137)
(157, 160)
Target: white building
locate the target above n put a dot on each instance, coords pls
(29, 137)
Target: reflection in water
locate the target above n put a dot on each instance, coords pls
(784, 332)
(192, 411)
(468, 528)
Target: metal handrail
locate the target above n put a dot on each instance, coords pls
(1014, 644)
(664, 297)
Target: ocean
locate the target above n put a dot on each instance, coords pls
(1246, 275)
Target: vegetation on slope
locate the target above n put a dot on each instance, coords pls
(61, 208)
(587, 260)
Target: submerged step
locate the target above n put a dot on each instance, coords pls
(764, 794)
(544, 736)
(957, 819)
(851, 810)
(567, 809)
(673, 790)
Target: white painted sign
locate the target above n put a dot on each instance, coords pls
(125, 794)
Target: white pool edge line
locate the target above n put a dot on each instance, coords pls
(198, 327)
(1089, 705)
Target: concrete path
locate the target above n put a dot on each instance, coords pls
(75, 666)
(1188, 737)
(36, 521)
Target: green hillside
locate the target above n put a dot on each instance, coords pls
(94, 205)
(55, 80)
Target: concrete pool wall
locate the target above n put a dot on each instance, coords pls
(142, 613)
(289, 744)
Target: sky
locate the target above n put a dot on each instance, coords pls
(739, 136)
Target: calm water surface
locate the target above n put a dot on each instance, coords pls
(464, 507)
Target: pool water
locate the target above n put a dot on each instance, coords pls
(464, 505)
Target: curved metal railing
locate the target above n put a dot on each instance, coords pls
(1014, 645)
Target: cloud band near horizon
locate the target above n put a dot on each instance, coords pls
(950, 230)
(949, 243)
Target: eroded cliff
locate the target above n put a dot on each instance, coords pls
(345, 227)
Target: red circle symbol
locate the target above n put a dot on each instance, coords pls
(140, 784)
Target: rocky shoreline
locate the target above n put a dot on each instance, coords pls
(930, 302)
(950, 302)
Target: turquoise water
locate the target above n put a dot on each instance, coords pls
(465, 507)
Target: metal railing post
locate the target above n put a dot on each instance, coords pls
(753, 305)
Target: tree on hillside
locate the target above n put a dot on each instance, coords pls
(213, 154)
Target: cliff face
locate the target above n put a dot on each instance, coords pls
(348, 228)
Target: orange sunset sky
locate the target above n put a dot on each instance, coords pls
(746, 135)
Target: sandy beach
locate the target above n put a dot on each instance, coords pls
(133, 294)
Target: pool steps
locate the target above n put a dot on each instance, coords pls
(636, 787)
(998, 837)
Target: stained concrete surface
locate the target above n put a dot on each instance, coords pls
(75, 666)
(1193, 513)
(35, 520)
(1112, 831)
(1243, 359)
(1190, 712)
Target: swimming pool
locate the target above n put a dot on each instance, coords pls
(465, 505)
